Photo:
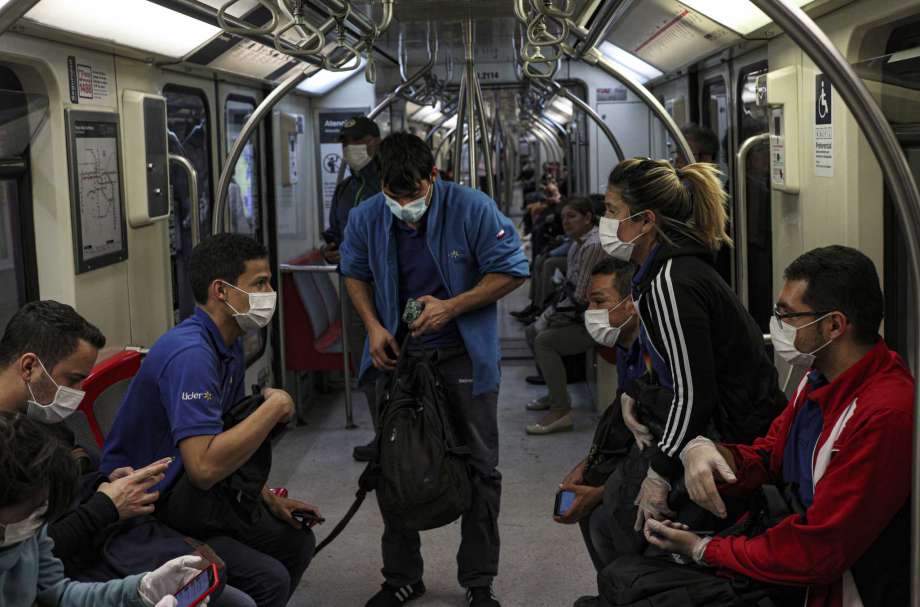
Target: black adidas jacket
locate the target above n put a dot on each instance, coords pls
(723, 378)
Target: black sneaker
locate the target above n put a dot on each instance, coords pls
(481, 596)
(528, 311)
(364, 453)
(392, 596)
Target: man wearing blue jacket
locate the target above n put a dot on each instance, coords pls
(450, 248)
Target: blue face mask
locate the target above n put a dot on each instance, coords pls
(412, 212)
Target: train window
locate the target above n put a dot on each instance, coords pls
(244, 200)
(18, 267)
(189, 136)
(753, 120)
(714, 116)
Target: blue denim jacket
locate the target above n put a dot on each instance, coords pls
(468, 238)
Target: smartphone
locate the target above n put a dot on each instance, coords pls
(200, 587)
(413, 311)
(305, 517)
(564, 500)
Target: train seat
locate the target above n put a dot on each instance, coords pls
(312, 321)
(105, 387)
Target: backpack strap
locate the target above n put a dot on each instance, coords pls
(366, 484)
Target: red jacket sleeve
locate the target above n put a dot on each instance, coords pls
(752, 462)
(866, 483)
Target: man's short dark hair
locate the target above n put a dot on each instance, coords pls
(49, 329)
(33, 461)
(622, 272)
(221, 257)
(840, 278)
(405, 160)
(707, 142)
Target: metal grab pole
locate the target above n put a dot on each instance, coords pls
(471, 102)
(343, 311)
(194, 210)
(461, 121)
(444, 140)
(437, 127)
(898, 176)
(486, 145)
(594, 116)
(741, 226)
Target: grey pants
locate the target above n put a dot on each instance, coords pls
(560, 338)
(541, 279)
(357, 335)
(476, 422)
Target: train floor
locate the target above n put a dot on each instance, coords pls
(543, 564)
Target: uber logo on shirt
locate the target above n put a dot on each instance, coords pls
(197, 396)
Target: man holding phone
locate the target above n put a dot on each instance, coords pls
(449, 248)
(360, 141)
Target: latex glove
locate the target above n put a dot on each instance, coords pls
(702, 465)
(170, 577)
(170, 601)
(641, 433)
(676, 538)
(653, 499)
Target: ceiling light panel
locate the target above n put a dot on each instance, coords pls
(133, 23)
(324, 81)
(629, 63)
(740, 16)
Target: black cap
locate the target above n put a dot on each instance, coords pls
(359, 127)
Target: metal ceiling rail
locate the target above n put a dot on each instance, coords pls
(263, 109)
(589, 111)
(12, 12)
(896, 170)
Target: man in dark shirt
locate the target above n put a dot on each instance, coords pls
(360, 140)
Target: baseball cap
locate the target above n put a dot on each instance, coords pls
(359, 127)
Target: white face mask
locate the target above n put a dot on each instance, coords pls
(261, 309)
(597, 323)
(356, 157)
(65, 401)
(15, 533)
(412, 212)
(783, 337)
(610, 239)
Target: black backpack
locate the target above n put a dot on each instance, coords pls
(231, 504)
(422, 475)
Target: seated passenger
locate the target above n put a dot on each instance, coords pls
(840, 454)
(704, 346)
(560, 331)
(46, 352)
(611, 321)
(175, 405)
(37, 481)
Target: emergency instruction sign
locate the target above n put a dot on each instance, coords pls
(824, 127)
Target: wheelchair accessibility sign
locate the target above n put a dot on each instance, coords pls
(824, 127)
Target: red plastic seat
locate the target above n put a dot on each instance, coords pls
(106, 374)
(304, 349)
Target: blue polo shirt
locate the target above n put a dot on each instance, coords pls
(419, 276)
(661, 367)
(184, 386)
(798, 456)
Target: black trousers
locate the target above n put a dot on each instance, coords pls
(476, 422)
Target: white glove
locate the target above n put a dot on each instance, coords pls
(641, 433)
(168, 601)
(702, 462)
(653, 499)
(162, 583)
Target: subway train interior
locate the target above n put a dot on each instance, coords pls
(133, 130)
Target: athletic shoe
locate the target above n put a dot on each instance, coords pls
(535, 380)
(481, 596)
(391, 596)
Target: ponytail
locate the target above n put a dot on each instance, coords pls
(690, 200)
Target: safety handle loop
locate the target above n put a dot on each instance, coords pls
(548, 8)
(538, 33)
(316, 39)
(268, 28)
(352, 58)
(531, 72)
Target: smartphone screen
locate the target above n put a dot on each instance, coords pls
(192, 591)
(564, 501)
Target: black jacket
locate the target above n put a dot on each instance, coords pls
(722, 375)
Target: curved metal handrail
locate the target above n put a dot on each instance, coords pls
(194, 209)
(589, 111)
(898, 176)
(741, 226)
(227, 26)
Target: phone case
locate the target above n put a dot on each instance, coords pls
(215, 582)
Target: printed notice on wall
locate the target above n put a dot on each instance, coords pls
(777, 147)
(824, 127)
(330, 153)
(87, 82)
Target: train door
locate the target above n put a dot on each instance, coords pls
(21, 115)
(630, 121)
(755, 279)
(189, 114)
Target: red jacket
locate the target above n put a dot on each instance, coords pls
(861, 470)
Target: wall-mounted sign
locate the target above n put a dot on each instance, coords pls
(87, 82)
(330, 153)
(824, 127)
(97, 205)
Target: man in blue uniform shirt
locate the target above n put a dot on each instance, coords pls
(175, 404)
(360, 139)
(451, 249)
